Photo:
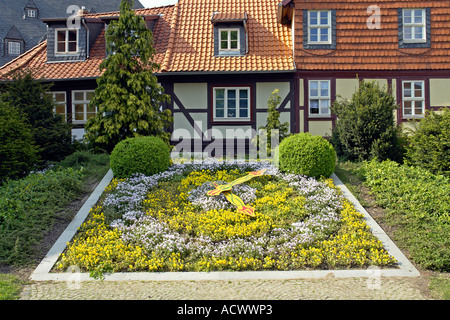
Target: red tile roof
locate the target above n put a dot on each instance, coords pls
(359, 48)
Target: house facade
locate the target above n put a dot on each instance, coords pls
(21, 26)
(221, 60)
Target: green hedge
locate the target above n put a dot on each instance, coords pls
(146, 155)
(308, 155)
(419, 204)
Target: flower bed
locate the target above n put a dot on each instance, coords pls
(166, 222)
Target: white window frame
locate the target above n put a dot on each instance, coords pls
(66, 41)
(319, 26)
(53, 95)
(226, 117)
(85, 104)
(413, 99)
(14, 48)
(31, 13)
(229, 49)
(413, 25)
(320, 98)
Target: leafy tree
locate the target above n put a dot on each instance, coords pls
(273, 123)
(52, 136)
(365, 126)
(128, 95)
(429, 144)
(18, 153)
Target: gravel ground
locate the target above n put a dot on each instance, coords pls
(317, 289)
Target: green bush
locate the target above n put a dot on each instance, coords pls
(17, 149)
(146, 155)
(429, 145)
(308, 155)
(365, 127)
(419, 207)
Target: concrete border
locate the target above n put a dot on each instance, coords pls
(42, 272)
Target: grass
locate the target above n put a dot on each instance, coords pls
(10, 287)
(352, 175)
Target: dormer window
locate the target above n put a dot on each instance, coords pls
(414, 28)
(229, 39)
(319, 29)
(66, 41)
(31, 13)
(14, 48)
(230, 34)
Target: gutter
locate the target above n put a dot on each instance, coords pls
(87, 38)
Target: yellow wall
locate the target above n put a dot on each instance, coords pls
(346, 87)
(440, 92)
(192, 95)
(320, 128)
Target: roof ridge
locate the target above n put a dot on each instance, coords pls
(170, 45)
(37, 49)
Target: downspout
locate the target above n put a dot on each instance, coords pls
(83, 20)
(246, 34)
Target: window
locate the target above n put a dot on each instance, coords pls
(31, 13)
(66, 41)
(59, 99)
(229, 39)
(81, 108)
(14, 47)
(319, 98)
(413, 98)
(414, 25)
(319, 27)
(232, 103)
(414, 28)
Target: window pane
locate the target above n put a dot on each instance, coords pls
(324, 17)
(407, 91)
(90, 95)
(61, 47)
(418, 16)
(231, 113)
(243, 94)
(418, 107)
(314, 88)
(224, 35)
(243, 113)
(233, 44)
(231, 94)
(72, 35)
(220, 104)
(61, 35)
(407, 16)
(220, 113)
(231, 103)
(224, 45)
(324, 106)
(418, 89)
(72, 46)
(91, 108)
(324, 35)
(313, 35)
(233, 35)
(313, 18)
(79, 96)
(418, 33)
(60, 97)
(314, 106)
(79, 112)
(60, 109)
(324, 92)
(90, 115)
(407, 108)
(408, 33)
(243, 104)
(220, 93)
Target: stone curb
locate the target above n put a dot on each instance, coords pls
(42, 272)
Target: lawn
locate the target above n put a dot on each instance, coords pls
(167, 222)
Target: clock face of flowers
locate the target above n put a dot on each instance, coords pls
(168, 222)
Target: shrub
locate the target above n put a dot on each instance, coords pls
(17, 150)
(419, 204)
(308, 155)
(365, 127)
(146, 155)
(429, 144)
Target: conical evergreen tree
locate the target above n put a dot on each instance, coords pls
(128, 96)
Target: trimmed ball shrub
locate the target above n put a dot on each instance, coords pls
(308, 155)
(146, 155)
